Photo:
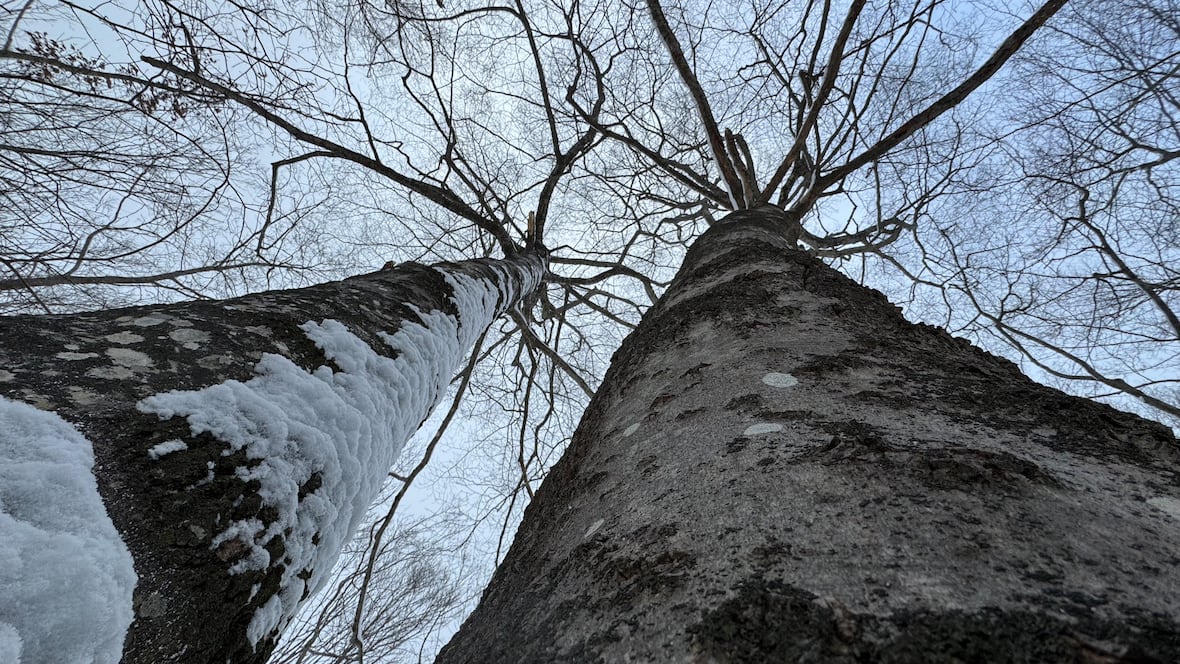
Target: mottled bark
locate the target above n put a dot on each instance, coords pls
(779, 468)
(93, 368)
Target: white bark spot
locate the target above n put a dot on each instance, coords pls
(775, 379)
(1166, 504)
(6, 375)
(125, 357)
(630, 430)
(593, 528)
(260, 330)
(69, 355)
(214, 361)
(112, 373)
(124, 338)
(82, 396)
(148, 321)
(191, 338)
(762, 427)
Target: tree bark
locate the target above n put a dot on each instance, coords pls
(218, 579)
(778, 467)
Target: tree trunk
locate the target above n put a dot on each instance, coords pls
(238, 443)
(779, 468)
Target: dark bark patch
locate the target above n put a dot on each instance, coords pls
(736, 445)
(647, 465)
(772, 553)
(658, 574)
(593, 479)
(854, 442)
(312, 484)
(661, 400)
(965, 469)
(946, 468)
(822, 365)
(747, 403)
(231, 550)
(667, 530)
(769, 621)
(786, 415)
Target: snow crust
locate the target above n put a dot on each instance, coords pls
(9, 643)
(347, 426)
(66, 577)
(167, 447)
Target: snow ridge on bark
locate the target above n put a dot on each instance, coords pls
(66, 577)
(321, 442)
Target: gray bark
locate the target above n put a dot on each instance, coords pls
(93, 368)
(779, 468)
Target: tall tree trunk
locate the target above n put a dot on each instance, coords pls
(779, 468)
(238, 443)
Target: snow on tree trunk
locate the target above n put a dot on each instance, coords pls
(779, 468)
(236, 444)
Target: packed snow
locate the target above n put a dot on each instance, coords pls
(66, 577)
(348, 426)
(10, 643)
(167, 447)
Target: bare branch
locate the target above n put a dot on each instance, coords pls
(716, 142)
(948, 101)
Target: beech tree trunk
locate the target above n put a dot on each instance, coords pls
(193, 509)
(779, 468)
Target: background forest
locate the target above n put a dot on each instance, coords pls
(1007, 171)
